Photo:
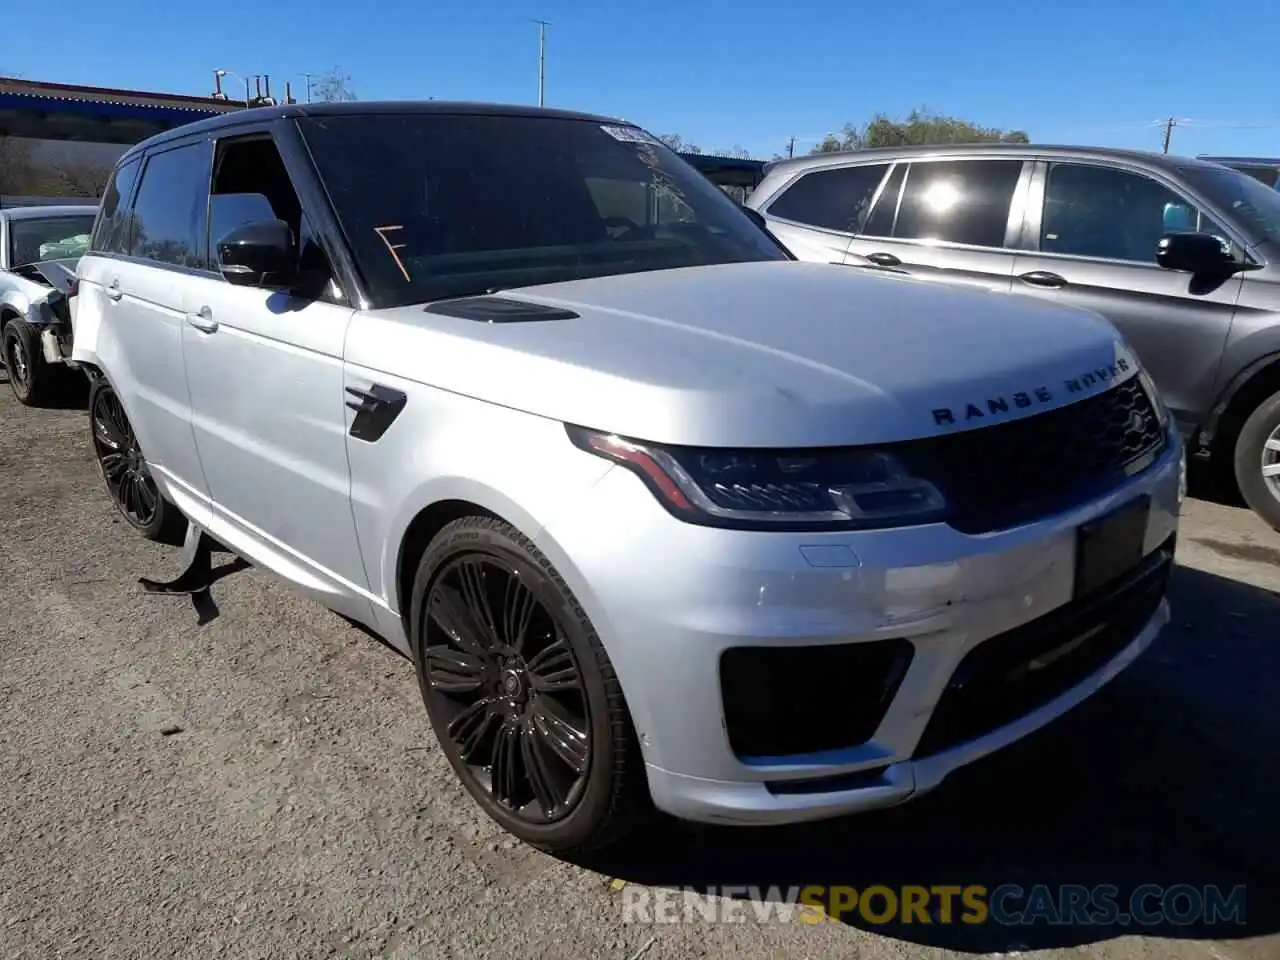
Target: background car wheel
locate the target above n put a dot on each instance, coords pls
(1257, 460)
(124, 471)
(520, 692)
(34, 382)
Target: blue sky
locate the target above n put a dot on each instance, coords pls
(726, 74)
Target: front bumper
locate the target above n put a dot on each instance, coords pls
(669, 598)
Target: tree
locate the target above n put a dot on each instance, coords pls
(832, 144)
(920, 128)
(678, 143)
(333, 86)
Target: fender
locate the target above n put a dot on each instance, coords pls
(1212, 421)
(440, 489)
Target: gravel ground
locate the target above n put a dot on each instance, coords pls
(266, 785)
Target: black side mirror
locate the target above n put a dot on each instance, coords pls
(260, 253)
(1196, 253)
(756, 216)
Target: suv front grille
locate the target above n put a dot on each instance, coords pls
(1000, 476)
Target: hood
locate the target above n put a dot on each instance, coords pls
(758, 354)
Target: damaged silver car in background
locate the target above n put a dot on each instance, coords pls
(39, 249)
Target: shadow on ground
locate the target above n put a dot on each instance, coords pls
(1213, 483)
(74, 394)
(1168, 776)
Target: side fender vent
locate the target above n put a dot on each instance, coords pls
(498, 310)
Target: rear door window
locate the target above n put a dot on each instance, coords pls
(170, 214)
(958, 201)
(835, 199)
(111, 232)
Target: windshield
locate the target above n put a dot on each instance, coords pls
(441, 206)
(1253, 205)
(32, 239)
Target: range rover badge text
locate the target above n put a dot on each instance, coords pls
(1024, 399)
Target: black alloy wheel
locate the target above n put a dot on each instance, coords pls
(125, 472)
(508, 687)
(519, 690)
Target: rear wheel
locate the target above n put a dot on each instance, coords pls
(34, 381)
(520, 692)
(125, 472)
(1257, 460)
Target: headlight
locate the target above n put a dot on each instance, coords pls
(1157, 401)
(816, 489)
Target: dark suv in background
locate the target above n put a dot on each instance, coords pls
(1182, 255)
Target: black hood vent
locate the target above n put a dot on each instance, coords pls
(498, 310)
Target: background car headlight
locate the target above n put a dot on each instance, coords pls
(815, 489)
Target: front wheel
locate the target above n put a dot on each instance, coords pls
(125, 472)
(520, 692)
(34, 381)
(1257, 460)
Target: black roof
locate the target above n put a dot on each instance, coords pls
(1251, 161)
(366, 108)
(1158, 160)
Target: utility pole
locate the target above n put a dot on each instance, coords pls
(1168, 132)
(542, 57)
(791, 147)
(307, 77)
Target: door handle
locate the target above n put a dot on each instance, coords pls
(114, 293)
(203, 320)
(884, 259)
(1043, 278)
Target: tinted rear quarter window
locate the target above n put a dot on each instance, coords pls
(111, 232)
(170, 211)
(959, 201)
(837, 199)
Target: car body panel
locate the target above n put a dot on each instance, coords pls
(140, 345)
(942, 589)
(756, 355)
(267, 408)
(1178, 331)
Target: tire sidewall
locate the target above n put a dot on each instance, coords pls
(477, 535)
(14, 332)
(156, 528)
(1248, 460)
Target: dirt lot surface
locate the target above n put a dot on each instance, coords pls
(303, 809)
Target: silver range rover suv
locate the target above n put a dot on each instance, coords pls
(661, 515)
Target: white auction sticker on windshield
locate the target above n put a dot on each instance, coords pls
(629, 134)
